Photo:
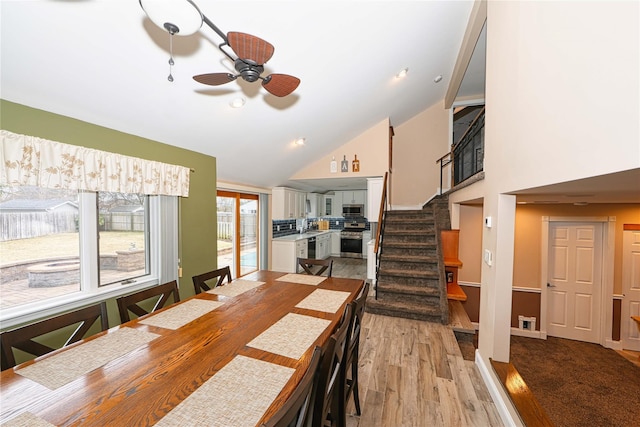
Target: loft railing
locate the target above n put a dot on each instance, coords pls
(380, 230)
(467, 155)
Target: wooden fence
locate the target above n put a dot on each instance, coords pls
(25, 225)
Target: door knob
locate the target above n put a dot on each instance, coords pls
(549, 285)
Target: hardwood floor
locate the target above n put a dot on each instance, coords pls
(412, 373)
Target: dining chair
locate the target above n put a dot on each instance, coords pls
(309, 264)
(130, 303)
(349, 373)
(22, 338)
(295, 411)
(326, 406)
(199, 281)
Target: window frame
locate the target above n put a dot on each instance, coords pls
(163, 256)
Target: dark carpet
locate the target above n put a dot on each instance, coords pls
(578, 383)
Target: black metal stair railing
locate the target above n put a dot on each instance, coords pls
(467, 155)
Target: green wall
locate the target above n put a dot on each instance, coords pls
(198, 249)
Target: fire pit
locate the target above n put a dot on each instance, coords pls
(53, 274)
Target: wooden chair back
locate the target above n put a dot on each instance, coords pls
(129, 303)
(311, 264)
(200, 281)
(349, 374)
(22, 338)
(295, 411)
(326, 405)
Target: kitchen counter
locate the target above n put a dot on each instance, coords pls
(298, 236)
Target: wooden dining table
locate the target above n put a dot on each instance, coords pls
(236, 354)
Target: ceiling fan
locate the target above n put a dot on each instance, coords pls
(251, 53)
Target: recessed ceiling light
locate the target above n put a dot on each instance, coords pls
(438, 78)
(402, 74)
(237, 103)
(299, 141)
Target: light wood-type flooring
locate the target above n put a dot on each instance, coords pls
(412, 373)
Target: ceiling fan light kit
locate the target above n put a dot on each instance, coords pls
(180, 16)
(183, 17)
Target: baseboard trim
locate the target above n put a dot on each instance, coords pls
(614, 345)
(502, 405)
(526, 333)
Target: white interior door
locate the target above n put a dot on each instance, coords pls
(629, 334)
(574, 281)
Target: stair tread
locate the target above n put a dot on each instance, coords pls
(407, 310)
(409, 258)
(418, 245)
(407, 273)
(408, 289)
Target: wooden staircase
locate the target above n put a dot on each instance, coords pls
(411, 272)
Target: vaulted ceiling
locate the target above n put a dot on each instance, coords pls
(105, 62)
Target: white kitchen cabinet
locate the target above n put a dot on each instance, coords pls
(323, 246)
(374, 196)
(335, 243)
(329, 205)
(287, 203)
(336, 209)
(366, 236)
(285, 254)
(316, 203)
(355, 197)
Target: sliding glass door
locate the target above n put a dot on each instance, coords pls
(238, 232)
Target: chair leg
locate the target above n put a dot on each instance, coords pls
(354, 383)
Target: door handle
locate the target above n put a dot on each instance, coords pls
(549, 285)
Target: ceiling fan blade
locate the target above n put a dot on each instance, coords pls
(250, 47)
(214, 79)
(280, 84)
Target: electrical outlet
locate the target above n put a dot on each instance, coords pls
(277, 228)
(290, 226)
(337, 222)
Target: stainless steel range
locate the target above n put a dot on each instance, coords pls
(351, 239)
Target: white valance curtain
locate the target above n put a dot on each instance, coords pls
(32, 161)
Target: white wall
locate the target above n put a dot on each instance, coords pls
(417, 144)
(562, 103)
(371, 147)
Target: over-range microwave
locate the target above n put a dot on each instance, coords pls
(352, 211)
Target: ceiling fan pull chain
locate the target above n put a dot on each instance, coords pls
(170, 78)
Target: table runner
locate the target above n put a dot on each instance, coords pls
(181, 314)
(236, 396)
(290, 336)
(324, 300)
(235, 288)
(27, 419)
(68, 365)
(303, 279)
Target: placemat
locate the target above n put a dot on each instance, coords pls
(181, 314)
(290, 336)
(324, 300)
(235, 288)
(237, 395)
(66, 366)
(303, 279)
(27, 419)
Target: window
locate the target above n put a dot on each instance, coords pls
(97, 239)
(123, 230)
(60, 247)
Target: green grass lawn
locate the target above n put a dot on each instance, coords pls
(65, 244)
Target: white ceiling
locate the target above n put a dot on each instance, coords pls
(105, 62)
